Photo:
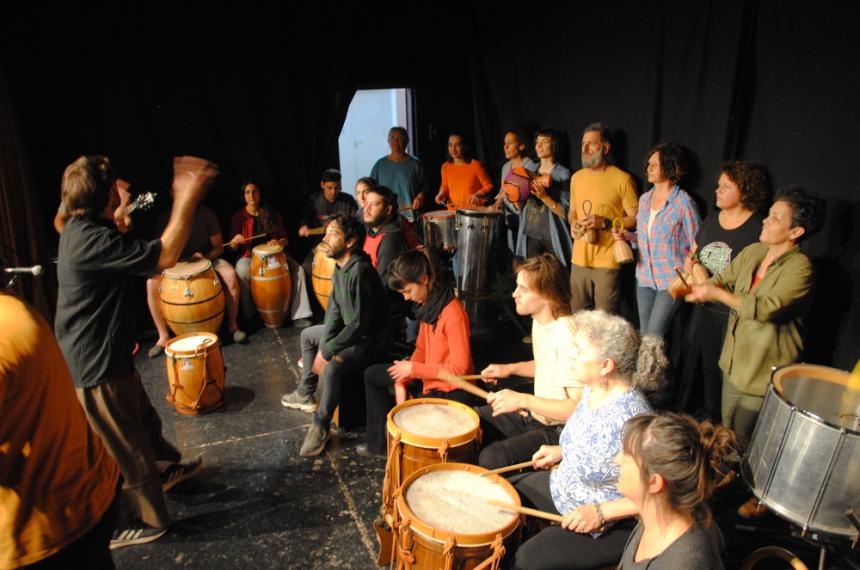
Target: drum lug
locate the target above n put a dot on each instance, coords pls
(188, 292)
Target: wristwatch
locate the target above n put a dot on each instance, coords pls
(607, 224)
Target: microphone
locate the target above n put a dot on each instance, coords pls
(35, 270)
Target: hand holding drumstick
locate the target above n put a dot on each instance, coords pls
(463, 383)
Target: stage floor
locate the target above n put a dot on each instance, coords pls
(257, 504)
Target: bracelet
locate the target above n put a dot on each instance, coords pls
(600, 516)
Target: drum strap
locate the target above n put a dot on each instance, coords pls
(405, 557)
(443, 451)
(448, 552)
(392, 476)
(493, 562)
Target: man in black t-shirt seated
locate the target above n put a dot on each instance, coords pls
(326, 203)
(204, 242)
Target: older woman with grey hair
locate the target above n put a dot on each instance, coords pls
(615, 364)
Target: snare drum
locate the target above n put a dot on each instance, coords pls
(440, 230)
(804, 455)
(423, 432)
(321, 271)
(444, 518)
(195, 373)
(270, 284)
(191, 297)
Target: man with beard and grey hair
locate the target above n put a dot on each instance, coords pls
(599, 194)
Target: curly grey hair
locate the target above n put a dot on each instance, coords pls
(640, 359)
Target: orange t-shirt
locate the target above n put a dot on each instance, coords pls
(56, 478)
(462, 181)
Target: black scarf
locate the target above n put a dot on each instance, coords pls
(437, 300)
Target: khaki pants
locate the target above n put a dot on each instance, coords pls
(120, 412)
(594, 288)
(740, 412)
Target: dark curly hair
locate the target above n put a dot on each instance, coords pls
(807, 209)
(753, 181)
(673, 161)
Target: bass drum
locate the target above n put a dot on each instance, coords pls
(804, 456)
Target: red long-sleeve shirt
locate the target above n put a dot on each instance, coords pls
(445, 347)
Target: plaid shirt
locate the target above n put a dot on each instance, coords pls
(672, 235)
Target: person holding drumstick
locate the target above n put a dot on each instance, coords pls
(668, 466)
(251, 226)
(543, 292)
(442, 346)
(465, 181)
(613, 363)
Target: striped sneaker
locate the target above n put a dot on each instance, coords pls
(135, 533)
(176, 473)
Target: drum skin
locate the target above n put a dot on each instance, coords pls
(191, 297)
(322, 270)
(195, 373)
(426, 547)
(440, 230)
(270, 284)
(804, 456)
(416, 451)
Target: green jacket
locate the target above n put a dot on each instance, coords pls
(768, 329)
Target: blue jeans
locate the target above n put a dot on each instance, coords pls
(655, 310)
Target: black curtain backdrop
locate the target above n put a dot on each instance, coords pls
(263, 90)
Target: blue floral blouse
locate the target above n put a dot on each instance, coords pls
(589, 442)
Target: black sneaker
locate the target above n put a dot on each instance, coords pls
(135, 533)
(176, 473)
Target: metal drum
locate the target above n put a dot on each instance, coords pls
(439, 230)
(804, 458)
(477, 240)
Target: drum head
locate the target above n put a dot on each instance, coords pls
(821, 392)
(440, 421)
(457, 501)
(185, 269)
(265, 249)
(190, 343)
(478, 213)
(438, 214)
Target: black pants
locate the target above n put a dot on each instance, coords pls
(379, 392)
(701, 387)
(511, 438)
(90, 551)
(553, 547)
(352, 360)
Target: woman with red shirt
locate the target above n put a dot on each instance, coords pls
(257, 219)
(442, 346)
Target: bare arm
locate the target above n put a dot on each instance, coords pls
(191, 177)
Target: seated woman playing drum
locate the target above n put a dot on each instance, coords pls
(256, 224)
(614, 362)
(668, 467)
(442, 345)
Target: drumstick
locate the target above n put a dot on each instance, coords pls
(527, 511)
(316, 231)
(684, 281)
(405, 209)
(252, 238)
(514, 467)
(462, 383)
